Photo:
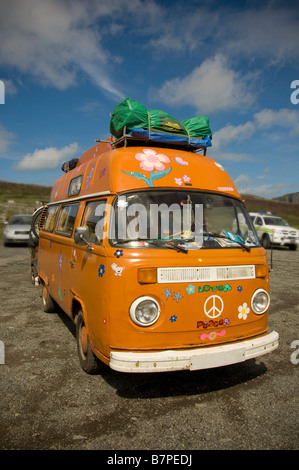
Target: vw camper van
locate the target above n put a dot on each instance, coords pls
(150, 251)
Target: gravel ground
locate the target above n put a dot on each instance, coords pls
(48, 402)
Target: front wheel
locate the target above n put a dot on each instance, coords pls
(88, 361)
(49, 305)
(266, 241)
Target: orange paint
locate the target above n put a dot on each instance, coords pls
(138, 315)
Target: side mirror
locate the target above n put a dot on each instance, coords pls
(80, 235)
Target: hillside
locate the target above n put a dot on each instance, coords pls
(16, 198)
(291, 197)
(24, 198)
(286, 210)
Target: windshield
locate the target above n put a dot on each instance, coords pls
(182, 220)
(21, 220)
(275, 221)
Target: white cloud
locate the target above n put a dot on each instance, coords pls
(263, 120)
(241, 180)
(268, 31)
(271, 118)
(230, 133)
(213, 86)
(6, 138)
(55, 40)
(48, 158)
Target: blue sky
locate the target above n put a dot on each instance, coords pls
(66, 64)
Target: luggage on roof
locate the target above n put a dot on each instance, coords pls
(131, 119)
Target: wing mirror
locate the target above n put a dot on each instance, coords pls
(81, 235)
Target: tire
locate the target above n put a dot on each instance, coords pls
(49, 305)
(88, 361)
(35, 222)
(266, 241)
(293, 247)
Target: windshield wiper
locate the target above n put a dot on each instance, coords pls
(230, 237)
(169, 244)
(157, 242)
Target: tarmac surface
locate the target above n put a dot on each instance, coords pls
(48, 402)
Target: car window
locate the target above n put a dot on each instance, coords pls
(21, 220)
(259, 221)
(49, 220)
(66, 219)
(276, 221)
(93, 218)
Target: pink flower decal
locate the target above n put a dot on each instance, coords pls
(181, 161)
(151, 160)
(178, 181)
(186, 179)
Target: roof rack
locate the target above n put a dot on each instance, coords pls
(128, 140)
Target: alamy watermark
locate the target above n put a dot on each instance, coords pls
(295, 354)
(2, 92)
(295, 94)
(138, 222)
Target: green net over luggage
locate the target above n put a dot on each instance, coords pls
(131, 117)
(198, 126)
(163, 122)
(130, 114)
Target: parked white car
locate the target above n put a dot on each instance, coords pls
(17, 230)
(273, 229)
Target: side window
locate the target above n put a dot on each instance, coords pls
(93, 218)
(66, 219)
(75, 186)
(49, 220)
(259, 221)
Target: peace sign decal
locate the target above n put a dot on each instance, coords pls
(213, 306)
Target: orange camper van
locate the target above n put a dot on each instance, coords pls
(150, 251)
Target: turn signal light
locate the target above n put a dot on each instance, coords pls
(147, 275)
(260, 270)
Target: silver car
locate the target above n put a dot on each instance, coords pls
(18, 230)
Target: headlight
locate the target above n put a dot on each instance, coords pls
(144, 311)
(260, 301)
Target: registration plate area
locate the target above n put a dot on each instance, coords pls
(217, 358)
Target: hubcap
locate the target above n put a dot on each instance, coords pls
(83, 339)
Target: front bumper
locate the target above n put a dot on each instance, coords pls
(14, 240)
(279, 240)
(193, 359)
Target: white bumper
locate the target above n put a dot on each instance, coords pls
(193, 359)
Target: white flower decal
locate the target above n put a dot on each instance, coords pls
(243, 311)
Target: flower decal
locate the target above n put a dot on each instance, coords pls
(173, 318)
(151, 160)
(178, 181)
(190, 289)
(101, 270)
(186, 179)
(243, 311)
(118, 253)
(167, 293)
(181, 161)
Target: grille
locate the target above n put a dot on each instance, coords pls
(204, 274)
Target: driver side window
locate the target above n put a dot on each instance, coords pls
(93, 219)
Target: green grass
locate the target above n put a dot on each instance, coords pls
(23, 193)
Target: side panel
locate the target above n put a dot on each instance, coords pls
(89, 284)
